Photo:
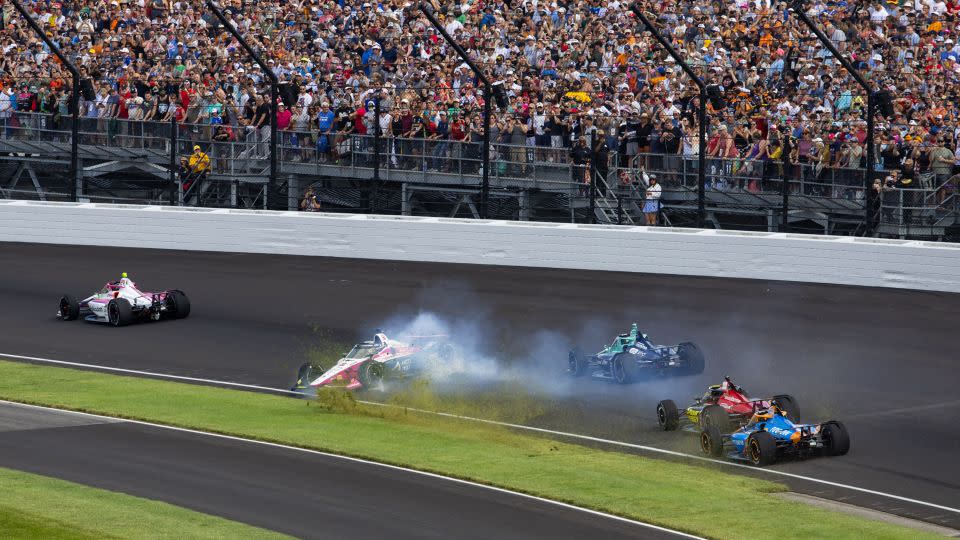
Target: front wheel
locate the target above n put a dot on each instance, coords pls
(761, 448)
(715, 416)
(371, 373)
(620, 368)
(305, 375)
(177, 305)
(667, 415)
(576, 363)
(119, 312)
(836, 440)
(692, 358)
(711, 442)
(69, 308)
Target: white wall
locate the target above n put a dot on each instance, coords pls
(820, 259)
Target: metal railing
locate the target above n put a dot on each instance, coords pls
(240, 154)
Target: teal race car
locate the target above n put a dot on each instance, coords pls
(632, 357)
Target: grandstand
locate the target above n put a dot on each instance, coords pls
(786, 124)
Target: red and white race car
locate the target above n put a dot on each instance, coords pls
(120, 303)
(725, 406)
(370, 362)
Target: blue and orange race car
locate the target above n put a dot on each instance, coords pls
(770, 435)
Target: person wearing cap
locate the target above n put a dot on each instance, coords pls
(199, 164)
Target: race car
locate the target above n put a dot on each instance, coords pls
(771, 435)
(120, 303)
(725, 406)
(632, 357)
(370, 362)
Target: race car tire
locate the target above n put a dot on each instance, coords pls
(692, 358)
(836, 440)
(788, 404)
(305, 374)
(178, 305)
(370, 373)
(69, 308)
(761, 448)
(445, 352)
(715, 416)
(667, 415)
(711, 442)
(623, 369)
(119, 312)
(576, 363)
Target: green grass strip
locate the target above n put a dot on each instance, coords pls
(38, 507)
(692, 498)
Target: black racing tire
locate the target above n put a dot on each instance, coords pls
(370, 373)
(69, 308)
(788, 404)
(667, 415)
(836, 439)
(305, 374)
(576, 363)
(692, 357)
(445, 351)
(622, 369)
(119, 312)
(711, 442)
(715, 416)
(761, 448)
(177, 304)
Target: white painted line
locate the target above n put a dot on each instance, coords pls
(366, 462)
(148, 373)
(577, 436)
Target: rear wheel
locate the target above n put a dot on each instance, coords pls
(119, 312)
(715, 416)
(371, 373)
(69, 308)
(836, 440)
(711, 441)
(761, 448)
(576, 363)
(177, 305)
(667, 415)
(620, 368)
(692, 358)
(788, 405)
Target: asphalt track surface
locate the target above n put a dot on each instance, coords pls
(882, 361)
(302, 494)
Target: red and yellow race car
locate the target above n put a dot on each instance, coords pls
(724, 406)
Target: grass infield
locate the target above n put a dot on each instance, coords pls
(691, 498)
(39, 507)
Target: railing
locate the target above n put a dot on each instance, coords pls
(240, 154)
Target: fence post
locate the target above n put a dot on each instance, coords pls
(173, 160)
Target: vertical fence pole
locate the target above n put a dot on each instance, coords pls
(701, 112)
(75, 173)
(428, 12)
(376, 153)
(273, 192)
(174, 168)
(797, 8)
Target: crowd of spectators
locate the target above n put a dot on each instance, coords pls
(585, 83)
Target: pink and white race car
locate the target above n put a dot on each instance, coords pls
(370, 362)
(120, 303)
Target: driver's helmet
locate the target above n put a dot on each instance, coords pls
(762, 414)
(715, 391)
